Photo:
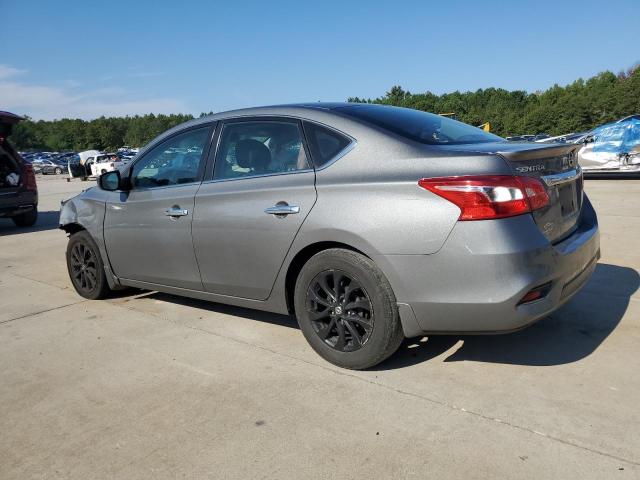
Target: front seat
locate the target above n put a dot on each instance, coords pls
(253, 155)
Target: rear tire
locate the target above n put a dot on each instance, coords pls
(346, 309)
(85, 267)
(27, 219)
(58, 171)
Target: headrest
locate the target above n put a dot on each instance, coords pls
(253, 154)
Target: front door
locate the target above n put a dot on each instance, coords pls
(147, 230)
(248, 214)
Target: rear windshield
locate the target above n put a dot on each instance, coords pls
(418, 126)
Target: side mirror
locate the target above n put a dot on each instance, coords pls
(110, 181)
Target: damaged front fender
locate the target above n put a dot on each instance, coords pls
(86, 211)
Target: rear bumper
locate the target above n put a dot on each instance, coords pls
(20, 203)
(8, 212)
(474, 283)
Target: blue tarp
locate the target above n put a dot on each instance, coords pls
(620, 137)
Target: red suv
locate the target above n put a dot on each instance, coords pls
(18, 190)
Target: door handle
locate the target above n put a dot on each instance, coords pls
(176, 211)
(282, 209)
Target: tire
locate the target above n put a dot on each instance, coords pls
(26, 219)
(58, 171)
(85, 267)
(376, 332)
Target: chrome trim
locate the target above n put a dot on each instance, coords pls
(176, 212)
(260, 175)
(560, 178)
(138, 188)
(341, 153)
(282, 210)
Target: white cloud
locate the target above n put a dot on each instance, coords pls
(7, 71)
(49, 102)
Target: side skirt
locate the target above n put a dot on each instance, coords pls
(266, 305)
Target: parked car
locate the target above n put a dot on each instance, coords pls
(56, 166)
(368, 222)
(75, 168)
(80, 165)
(18, 189)
(525, 138)
(125, 156)
(104, 163)
(613, 148)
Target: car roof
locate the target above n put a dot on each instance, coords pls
(293, 109)
(317, 111)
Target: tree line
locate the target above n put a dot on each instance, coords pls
(101, 134)
(578, 106)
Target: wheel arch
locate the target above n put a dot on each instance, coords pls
(302, 257)
(72, 228)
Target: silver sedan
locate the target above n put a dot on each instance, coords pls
(369, 223)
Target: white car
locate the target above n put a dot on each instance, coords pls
(104, 163)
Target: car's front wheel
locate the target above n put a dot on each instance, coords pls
(346, 309)
(85, 267)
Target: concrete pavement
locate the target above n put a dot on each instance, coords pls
(148, 385)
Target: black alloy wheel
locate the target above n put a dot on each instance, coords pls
(84, 268)
(340, 310)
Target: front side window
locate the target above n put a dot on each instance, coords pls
(259, 148)
(175, 161)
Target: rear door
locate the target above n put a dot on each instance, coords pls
(147, 230)
(248, 213)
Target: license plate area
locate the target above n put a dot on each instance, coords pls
(569, 200)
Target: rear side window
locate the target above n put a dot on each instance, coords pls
(418, 126)
(324, 143)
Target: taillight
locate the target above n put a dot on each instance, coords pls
(490, 196)
(29, 178)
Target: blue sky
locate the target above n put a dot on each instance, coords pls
(86, 59)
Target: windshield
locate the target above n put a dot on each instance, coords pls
(418, 126)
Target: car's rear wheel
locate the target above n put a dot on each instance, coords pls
(58, 171)
(346, 309)
(85, 267)
(26, 219)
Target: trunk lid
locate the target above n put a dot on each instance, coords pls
(556, 166)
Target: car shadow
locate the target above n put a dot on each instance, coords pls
(48, 220)
(570, 334)
(573, 332)
(247, 313)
